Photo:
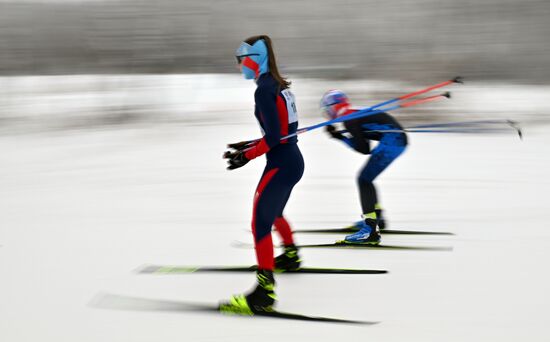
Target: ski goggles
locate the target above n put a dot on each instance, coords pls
(241, 57)
(246, 50)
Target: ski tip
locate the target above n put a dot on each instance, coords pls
(447, 94)
(145, 269)
(239, 244)
(161, 269)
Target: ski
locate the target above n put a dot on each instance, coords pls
(119, 302)
(162, 269)
(344, 245)
(350, 230)
(340, 244)
(299, 317)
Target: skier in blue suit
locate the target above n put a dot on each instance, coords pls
(392, 141)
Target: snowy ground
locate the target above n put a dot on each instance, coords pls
(81, 209)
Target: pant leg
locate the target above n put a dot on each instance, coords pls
(381, 157)
(294, 171)
(368, 196)
(282, 226)
(284, 230)
(270, 198)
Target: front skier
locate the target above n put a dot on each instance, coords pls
(276, 113)
(392, 141)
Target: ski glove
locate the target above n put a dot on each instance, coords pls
(235, 159)
(241, 145)
(333, 133)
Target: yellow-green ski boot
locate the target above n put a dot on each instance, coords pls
(261, 299)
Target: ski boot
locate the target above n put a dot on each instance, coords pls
(367, 235)
(380, 221)
(261, 299)
(357, 226)
(289, 260)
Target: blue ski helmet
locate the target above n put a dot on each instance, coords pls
(254, 59)
(334, 103)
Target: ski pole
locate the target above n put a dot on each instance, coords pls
(463, 126)
(511, 123)
(370, 110)
(456, 127)
(359, 114)
(424, 100)
(458, 130)
(467, 123)
(457, 79)
(365, 111)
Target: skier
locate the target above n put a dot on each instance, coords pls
(275, 111)
(382, 128)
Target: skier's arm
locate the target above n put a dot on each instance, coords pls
(358, 141)
(331, 130)
(266, 101)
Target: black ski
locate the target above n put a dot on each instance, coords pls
(118, 302)
(340, 244)
(162, 269)
(382, 231)
(298, 317)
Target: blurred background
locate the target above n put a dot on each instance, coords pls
(114, 115)
(87, 63)
(400, 39)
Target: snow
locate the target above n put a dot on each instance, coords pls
(83, 208)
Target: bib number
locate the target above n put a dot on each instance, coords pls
(290, 106)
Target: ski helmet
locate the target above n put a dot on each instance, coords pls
(335, 103)
(254, 59)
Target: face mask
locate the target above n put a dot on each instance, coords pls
(253, 58)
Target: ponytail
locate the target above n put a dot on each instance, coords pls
(283, 83)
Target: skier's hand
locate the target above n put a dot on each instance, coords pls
(235, 159)
(333, 133)
(241, 145)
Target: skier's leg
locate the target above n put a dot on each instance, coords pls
(283, 227)
(263, 217)
(381, 157)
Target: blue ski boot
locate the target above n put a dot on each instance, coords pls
(369, 234)
(357, 226)
(380, 222)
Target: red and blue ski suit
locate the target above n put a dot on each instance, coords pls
(275, 111)
(390, 146)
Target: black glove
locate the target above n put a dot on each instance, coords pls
(235, 159)
(333, 133)
(240, 145)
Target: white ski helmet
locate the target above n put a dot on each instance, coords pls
(334, 103)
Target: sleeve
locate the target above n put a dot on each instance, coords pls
(348, 141)
(266, 100)
(358, 141)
